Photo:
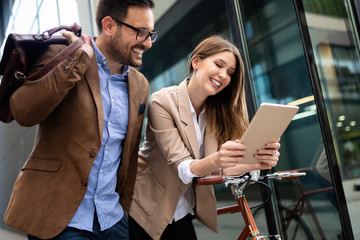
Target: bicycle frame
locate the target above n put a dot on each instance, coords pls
(250, 228)
(238, 185)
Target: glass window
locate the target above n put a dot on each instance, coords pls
(335, 48)
(68, 12)
(48, 15)
(279, 74)
(25, 15)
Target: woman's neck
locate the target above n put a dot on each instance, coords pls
(197, 99)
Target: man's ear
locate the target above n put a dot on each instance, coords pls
(109, 25)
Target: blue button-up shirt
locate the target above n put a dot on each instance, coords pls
(101, 195)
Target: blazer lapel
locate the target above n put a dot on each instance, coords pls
(137, 105)
(186, 118)
(92, 77)
(133, 103)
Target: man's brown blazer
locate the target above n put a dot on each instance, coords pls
(66, 104)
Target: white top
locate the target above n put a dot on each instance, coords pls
(187, 201)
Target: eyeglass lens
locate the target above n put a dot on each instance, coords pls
(144, 34)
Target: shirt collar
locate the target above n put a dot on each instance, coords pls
(102, 62)
(192, 110)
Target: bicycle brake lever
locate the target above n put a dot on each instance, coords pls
(235, 180)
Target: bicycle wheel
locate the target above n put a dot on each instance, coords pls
(296, 230)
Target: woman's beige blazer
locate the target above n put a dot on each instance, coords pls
(170, 139)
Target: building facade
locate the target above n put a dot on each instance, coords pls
(302, 52)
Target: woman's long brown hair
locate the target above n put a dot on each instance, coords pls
(226, 112)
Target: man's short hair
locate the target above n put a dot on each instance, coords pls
(117, 9)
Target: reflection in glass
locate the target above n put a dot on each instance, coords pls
(338, 66)
(279, 74)
(336, 52)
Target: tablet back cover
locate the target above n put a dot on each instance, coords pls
(268, 124)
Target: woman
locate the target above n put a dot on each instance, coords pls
(193, 130)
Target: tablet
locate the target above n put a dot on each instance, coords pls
(267, 125)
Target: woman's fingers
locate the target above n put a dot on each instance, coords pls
(231, 153)
(268, 159)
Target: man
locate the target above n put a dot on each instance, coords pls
(78, 181)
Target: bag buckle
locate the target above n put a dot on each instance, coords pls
(20, 76)
(44, 36)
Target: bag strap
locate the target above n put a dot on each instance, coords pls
(58, 58)
(75, 28)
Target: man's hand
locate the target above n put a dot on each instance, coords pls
(86, 47)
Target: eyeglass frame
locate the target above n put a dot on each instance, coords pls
(138, 30)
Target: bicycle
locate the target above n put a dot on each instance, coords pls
(293, 224)
(238, 184)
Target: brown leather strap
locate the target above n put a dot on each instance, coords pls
(58, 58)
(73, 28)
(76, 29)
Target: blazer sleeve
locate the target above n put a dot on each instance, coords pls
(168, 129)
(35, 100)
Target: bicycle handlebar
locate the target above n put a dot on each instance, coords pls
(208, 180)
(218, 179)
(284, 175)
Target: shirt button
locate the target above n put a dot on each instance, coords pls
(101, 171)
(107, 147)
(95, 196)
(109, 123)
(83, 183)
(92, 154)
(112, 100)
(104, 62)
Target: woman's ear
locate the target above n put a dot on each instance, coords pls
(195, 63)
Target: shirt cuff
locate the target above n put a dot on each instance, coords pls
(184, 171)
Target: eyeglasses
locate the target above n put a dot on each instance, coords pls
(142, 34)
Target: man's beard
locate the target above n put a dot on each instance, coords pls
(121, 55)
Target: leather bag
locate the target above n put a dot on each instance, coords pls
(20, 52)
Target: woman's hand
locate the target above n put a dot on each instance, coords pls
(230, 154)
(268, 156)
